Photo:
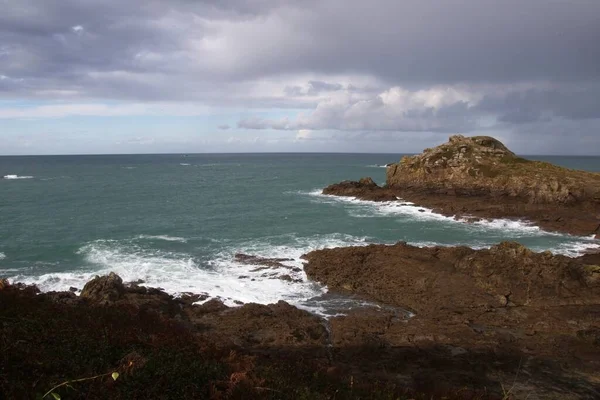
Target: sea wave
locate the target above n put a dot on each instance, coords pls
(2, 256)
(17, 177)
(264, 286)
(184, 164)
(376, 166)
(221, 277)
(368, 209)
(166, 238)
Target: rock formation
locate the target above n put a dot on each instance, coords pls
(482, 165)
(478, 177)
(472, 305)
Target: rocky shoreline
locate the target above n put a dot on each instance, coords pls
(497, 323)
(485, 322)
(478, 177)
(565, 219)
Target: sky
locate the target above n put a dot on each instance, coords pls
(148, 76)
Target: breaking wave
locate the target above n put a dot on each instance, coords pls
(17, 177)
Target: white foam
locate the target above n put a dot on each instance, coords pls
(268, 289)
(179, 272)
(17, 177)
(575, 249)
(569, 248)
(367, 209)
(184, 164)
(2, 256)
(376, 166)
(162, 237)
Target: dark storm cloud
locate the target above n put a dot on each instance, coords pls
(404, 43)
(568, 102)
(428, 42)
(350, 65)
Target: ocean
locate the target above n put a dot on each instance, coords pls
(176, 221)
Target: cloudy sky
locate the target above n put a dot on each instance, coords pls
(146, 76)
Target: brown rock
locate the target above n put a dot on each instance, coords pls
(266, 262)
(364, 189)
(483, 165)
(434, 279)
(104, 289)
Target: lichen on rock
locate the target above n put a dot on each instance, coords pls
(482, 165)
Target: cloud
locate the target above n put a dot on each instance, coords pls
(443, 109)
(224, 127)
(461, 108)
(261, 123)
(95, 47)
(332, 65)
(103, 110)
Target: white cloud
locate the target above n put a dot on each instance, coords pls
(104, 110)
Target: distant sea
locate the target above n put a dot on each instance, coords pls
(176, 221)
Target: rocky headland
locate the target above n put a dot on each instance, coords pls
(478, 177)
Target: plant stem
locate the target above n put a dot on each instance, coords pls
(73, 381)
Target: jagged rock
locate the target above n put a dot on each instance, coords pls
(368, 181)
(104, 289)
(249, 259)
(364, 189)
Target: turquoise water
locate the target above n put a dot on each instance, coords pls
(176, 221)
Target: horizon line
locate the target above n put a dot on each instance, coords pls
(259, 153)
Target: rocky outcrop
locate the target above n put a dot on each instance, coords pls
(427, 280)
(104, 289)
(364, 189)
(499, 319)
(249, 259)
(478, 177)
(504, 306)
(482, 165)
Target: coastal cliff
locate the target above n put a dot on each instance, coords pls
(478, 177)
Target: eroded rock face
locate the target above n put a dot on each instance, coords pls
(482, 165)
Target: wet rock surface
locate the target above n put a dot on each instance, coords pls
(492, 310)
(250, 259)
(364, 189)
